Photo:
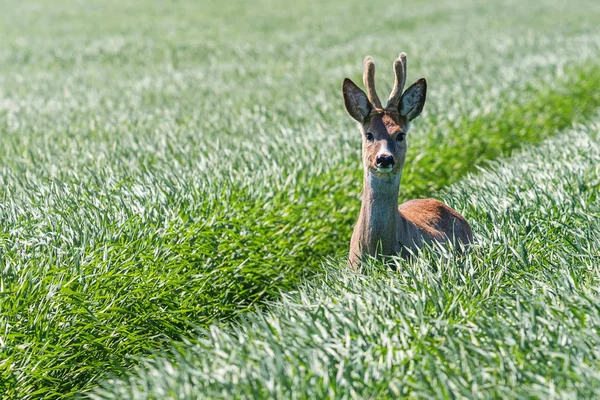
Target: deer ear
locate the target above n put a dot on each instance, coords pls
(413, 100)
(356, 101)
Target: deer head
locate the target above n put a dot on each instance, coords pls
(384, 129)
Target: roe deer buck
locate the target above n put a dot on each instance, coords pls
(383, 228)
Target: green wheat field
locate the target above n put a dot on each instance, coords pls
(179, 182)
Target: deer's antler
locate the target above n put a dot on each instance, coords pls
(400, 72)
(369, 81)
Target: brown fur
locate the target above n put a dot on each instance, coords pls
(436, 220)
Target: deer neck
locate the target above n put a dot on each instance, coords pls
(379, 214)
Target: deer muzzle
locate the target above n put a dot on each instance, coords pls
(385, 162)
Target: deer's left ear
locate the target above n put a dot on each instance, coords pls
(413, 100)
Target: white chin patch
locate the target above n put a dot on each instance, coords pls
(384, 170)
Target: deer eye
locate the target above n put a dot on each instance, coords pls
(370, 137)
(400, 137)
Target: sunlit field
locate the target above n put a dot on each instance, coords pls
(179, 183)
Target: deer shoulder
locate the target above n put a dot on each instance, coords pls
(429, 220)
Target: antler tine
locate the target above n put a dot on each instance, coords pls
(369, 81)
(400, 73)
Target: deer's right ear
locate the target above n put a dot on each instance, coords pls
(356, 101)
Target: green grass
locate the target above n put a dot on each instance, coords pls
(517, 317)
(167, 167)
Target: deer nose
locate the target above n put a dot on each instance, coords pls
(385, 161)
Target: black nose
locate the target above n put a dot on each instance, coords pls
(385, 161)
